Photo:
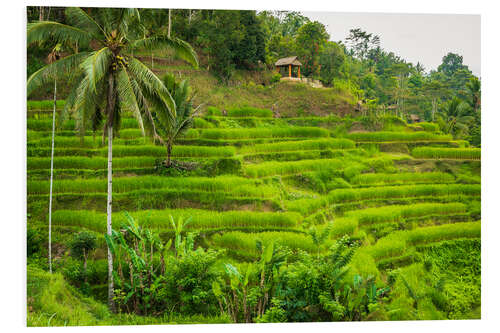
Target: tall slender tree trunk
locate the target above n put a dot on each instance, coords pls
(169, 154)
(52, 176)
(40, 16)
(110, 114)
(169, 22)
(109, 224)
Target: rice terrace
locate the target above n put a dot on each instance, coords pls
(176, 175)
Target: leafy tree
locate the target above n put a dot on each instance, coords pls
(311, 38)
(108, 78)
(361, 42)
(331, 60)
(168, 124)
(81, 245)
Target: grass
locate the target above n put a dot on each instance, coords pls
(318, 144)
(238, 186)
(447, 153)
(396, 243)
(160, 219)
(397, 136)
(94, 163)
(248, 111)
(246, 242)
(374, 179)
(254, 133)
(397, 213)
(142, 150)
(285, 168)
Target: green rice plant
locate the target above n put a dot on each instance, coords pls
(160, 219)
(69, 125)
(395, 213)
(236, 186)
(404, 191)
(397, 242)
(284, 168)
(447, 153)
(45, 105)
(429, 127)
(306, 206)
(443, 232)
(318, 144)
(202, 123)
(213, 111)
(248, 111)
(94, 163)
(254, 133)
(246, 242)
(377, 179)
(397, 136)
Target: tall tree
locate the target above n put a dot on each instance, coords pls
(168, 128)
(310, 40)
(110, 79)
(361, 42)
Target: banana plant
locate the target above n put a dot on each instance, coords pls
(182, 247)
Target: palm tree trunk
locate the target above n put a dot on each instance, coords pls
(52, 176)
(110, 114)
(109, 211)
(169, 22)
(169, 154)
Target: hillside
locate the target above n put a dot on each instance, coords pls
(407, 194)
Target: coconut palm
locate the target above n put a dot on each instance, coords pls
(474, 94)
(454, 119)
(108, 79)
(167, 129)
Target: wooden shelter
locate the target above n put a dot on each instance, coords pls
(415, 118)
(289, 62)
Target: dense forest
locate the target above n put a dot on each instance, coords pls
(174, 177)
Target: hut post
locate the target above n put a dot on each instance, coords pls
(299, 71)
(290, 71)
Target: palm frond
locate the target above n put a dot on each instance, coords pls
(60, 33)
(97, 65)
(55, 70)
(180, 47)
(82, 20)
(126, 96)
(151, 83)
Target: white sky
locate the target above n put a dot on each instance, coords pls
(414, 37)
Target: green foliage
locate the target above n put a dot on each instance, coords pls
(445, 153)
(82, 243)
(252, 133)
(248, 111)
(397, 136)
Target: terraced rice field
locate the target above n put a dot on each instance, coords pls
(269, 181)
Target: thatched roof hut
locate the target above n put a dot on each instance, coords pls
(288, 62)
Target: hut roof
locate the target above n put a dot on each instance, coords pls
(414, 117)
(288, 61)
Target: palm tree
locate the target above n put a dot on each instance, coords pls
(454, 119)
(108, 79)
(53, 56)
(474, 91)
(167, 129)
